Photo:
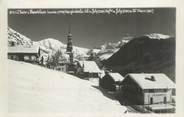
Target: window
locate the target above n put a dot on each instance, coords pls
(95, 75)
(14, 57)
(151, 91)
(33, 58)
(157, 90)
(165, 100)
(151, 100)
(26, 57)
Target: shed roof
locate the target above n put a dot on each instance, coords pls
(24, 49)
(90, 66)
(152, 80)
(116, 76)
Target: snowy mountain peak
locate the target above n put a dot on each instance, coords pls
(15, 38)
(157, 36)
(51, 44)
(54, 45)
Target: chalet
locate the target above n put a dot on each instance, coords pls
(31, 54)
(152, 90)
(22, 53)
(111, 81)
(89, 70)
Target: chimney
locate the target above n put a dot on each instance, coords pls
(152, 78)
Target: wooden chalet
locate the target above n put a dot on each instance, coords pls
(88, 69)
(24, 53)
(154, 91)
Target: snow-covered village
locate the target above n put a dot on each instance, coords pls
(133, 74)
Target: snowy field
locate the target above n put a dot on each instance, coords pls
(34, 89)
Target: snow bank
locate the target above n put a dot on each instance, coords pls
(35, 89)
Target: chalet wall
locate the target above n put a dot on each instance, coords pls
(62, 68)
(23, 57)
(157, 97)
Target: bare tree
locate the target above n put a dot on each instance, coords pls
(54, 59)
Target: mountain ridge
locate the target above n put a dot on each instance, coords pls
(50, 44)
(145, 54)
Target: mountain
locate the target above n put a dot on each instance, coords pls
(107, 53)
(51, 45)
(34, 89)
(157, 36)
(54, 45)
(16, 38)
(115, 45)
(148, 53)
(108, 49)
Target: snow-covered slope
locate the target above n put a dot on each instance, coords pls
(79, 51)
(17, 38)
(50, 44)
(35, 89)
(105, 54)
(115, 45)
(108, 49)
(54, 45)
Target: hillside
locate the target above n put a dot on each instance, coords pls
(148, 53)
(108, 49)
(35, 89)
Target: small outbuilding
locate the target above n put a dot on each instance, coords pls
(111, 81)
(153, 90)
(88, 69)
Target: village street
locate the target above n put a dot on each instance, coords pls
(37, 89)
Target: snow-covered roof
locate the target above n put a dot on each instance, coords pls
(23, 49)
(152, 80)
(90, 66)
(116, 76)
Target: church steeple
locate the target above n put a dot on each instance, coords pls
(69, 43)
(69, 39)
(69, 49)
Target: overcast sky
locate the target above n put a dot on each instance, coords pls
(93, 30)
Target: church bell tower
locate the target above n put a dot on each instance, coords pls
(69, 49)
